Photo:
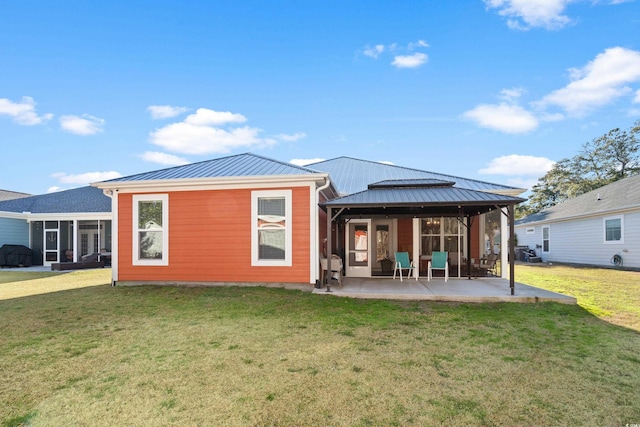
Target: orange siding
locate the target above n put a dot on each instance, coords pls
(210, 239)
(405, 235)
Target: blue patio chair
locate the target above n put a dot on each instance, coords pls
(438, 261)
(403, 263)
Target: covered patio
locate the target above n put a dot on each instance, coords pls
(476, 290)
(417, 201)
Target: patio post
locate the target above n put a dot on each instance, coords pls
(512, 251)
(329, 254)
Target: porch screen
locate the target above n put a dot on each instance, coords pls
(272, 231)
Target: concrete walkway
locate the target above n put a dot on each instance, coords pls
(485, 289)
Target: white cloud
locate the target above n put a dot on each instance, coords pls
(600, 82)
(636, 99)
(82, 125)
(373, 52)
(305, 162)
(163, 158)
(419, 43)
(290, 138)
(207, 117)
(503, 117)
(85, 178)
(410, 61)
(526, 14)
(518, 165)
(23, 112)
(54, 189)
(165, 111)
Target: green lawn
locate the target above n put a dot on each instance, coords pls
(139, 356)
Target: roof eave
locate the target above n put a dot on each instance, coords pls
(164, 184)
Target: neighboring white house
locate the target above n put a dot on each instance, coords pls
(588, 229)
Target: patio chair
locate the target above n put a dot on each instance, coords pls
(438, 261)
(488, 265)
(403, 263)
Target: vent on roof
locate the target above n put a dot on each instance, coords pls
(411, 183)
(598, 197)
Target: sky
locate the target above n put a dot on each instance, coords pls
(494, 90)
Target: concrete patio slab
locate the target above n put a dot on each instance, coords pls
(485, 289)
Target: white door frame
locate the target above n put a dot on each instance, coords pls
(358, 270)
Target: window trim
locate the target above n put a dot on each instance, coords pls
(164, 198)
(604, 230)
(288, 240)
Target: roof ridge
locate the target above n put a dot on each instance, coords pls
(416, 170)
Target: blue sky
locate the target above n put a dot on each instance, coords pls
(495, 90)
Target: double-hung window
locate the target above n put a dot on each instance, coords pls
(271, 235)
(151, 229)
(613, 227)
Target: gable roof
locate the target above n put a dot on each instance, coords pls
(240, 165)
(77, 200)
(8, 195)
(619, 195)
(351, 175)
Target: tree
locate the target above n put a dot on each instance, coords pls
(605, 159)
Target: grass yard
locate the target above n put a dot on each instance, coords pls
(104, 356)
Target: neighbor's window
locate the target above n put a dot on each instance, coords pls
(613, 229)
(150, 229)
(545, 239)
(271, 228)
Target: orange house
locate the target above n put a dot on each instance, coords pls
(250, 219)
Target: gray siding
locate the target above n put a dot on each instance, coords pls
(581, 241)
(14, 231)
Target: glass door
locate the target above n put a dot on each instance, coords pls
(358, 245)
(383, 252)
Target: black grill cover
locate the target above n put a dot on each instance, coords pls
(15, 256)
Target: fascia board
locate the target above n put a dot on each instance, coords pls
(212, 183)
(105, 216)
(607, 212)
(13, 215)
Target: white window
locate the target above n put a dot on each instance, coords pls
(271, 234)
(151, 229)
(545, 239)
(613, 229)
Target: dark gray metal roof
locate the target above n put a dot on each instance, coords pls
(83, 199)
(351, 175)
(621, 194)
(422, 196)
(239, 165)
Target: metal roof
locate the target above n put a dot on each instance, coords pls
(422, 196)
(622, 194)
(240, 165)
(83, 199)
(415, 183)
(351, 175)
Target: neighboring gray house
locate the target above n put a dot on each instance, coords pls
(9, 195)
(588, 229)
(78, 219)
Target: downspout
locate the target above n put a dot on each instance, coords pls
(315, 256)
(114, 233)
